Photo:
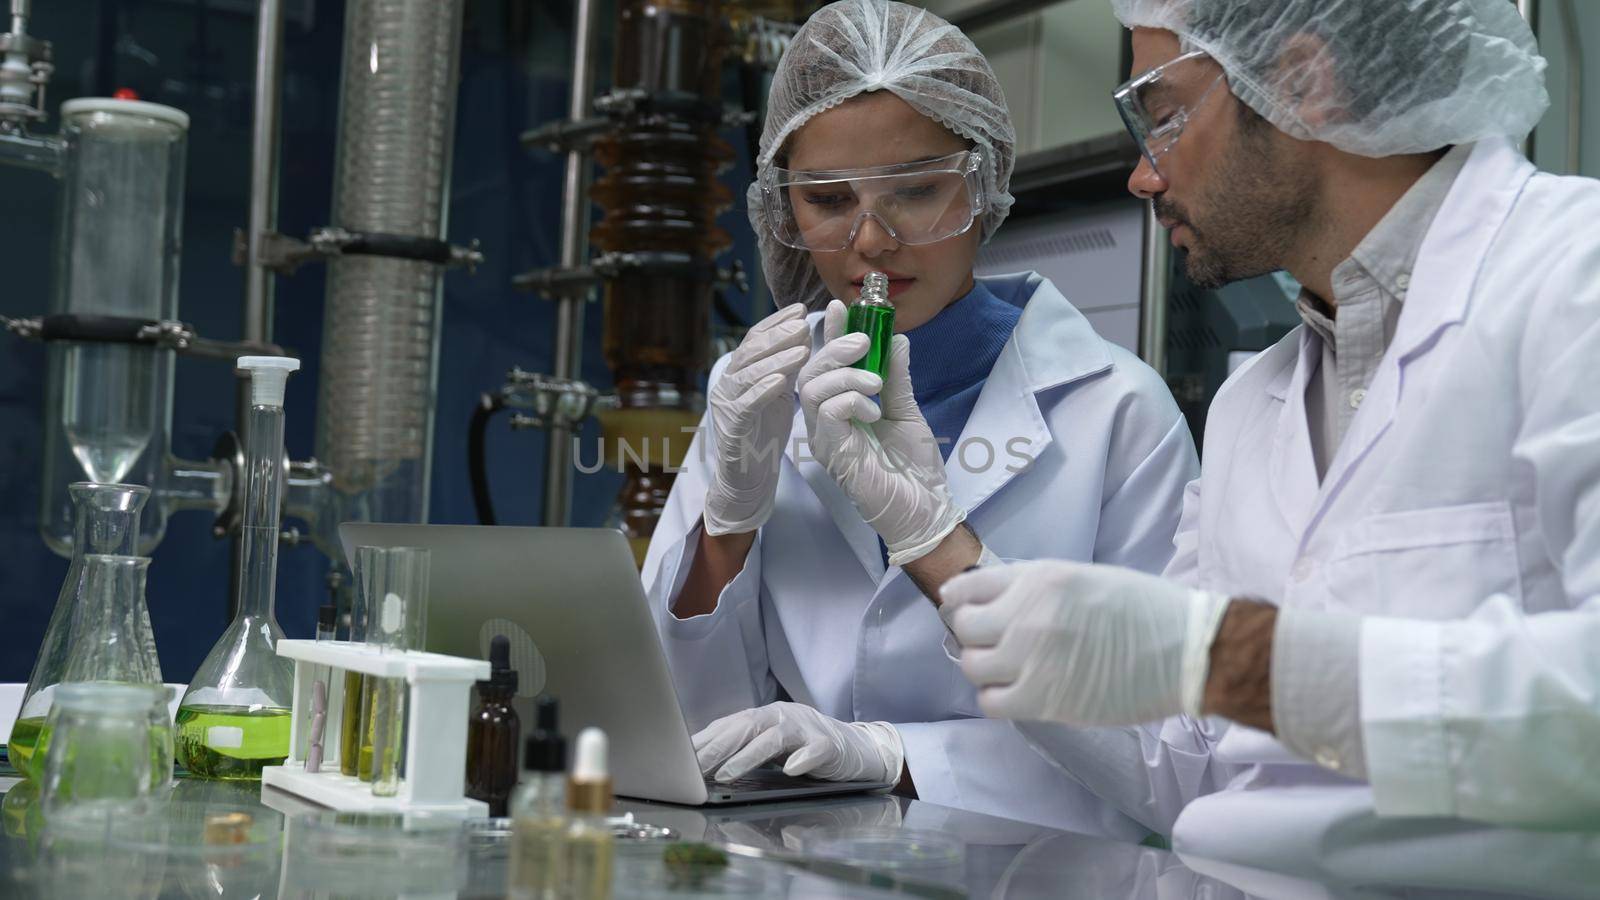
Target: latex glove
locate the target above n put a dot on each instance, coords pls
(884, 456)
(815, 745)
(1080, 643)
(751, 410)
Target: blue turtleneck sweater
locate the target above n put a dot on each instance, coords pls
(951, 355)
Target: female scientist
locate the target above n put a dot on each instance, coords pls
(790, 577)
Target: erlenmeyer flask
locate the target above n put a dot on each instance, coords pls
(234, 718)
(105, 521)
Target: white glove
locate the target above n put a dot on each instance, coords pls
(1082, 644)
(733, 746)
(885, 458)
(751, 410)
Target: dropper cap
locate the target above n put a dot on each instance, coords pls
(589, 785)
(545, 750)
(501, 675)
(268, 375)
(875, 289)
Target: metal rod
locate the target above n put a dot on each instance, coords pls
(1530, 11)
(1569, 16)
(258, 279)
(574, 250)
(263, 170)
(20, 14)
(1153, 299)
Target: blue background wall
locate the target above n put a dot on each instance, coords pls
(198, 55)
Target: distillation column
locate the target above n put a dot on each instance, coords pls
(381, 331)
(661, 197)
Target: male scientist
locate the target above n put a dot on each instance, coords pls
(1388, 571)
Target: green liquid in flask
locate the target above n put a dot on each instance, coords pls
(23, 744)
(232, 743)
(877, 323)
(30, 741)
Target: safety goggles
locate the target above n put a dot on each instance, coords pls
(916, 203)
(1152, 108)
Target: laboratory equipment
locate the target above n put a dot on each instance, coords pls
(873, 315)
(380, 349)
(661, 198)
(538, 811)
(105, 742)
(438, 693)
(110, 644)
(493, 731)
(234, 718)
(105, 521)
(110, 402)
(312, 732)
(352, 713)
(219, 848)
(400, 622)
(928, 854)
(588, 845)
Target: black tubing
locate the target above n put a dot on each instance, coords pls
(477, 461)
(96, 329)
(398, 246)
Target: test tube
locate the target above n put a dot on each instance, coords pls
(400, 620)
(352, 725)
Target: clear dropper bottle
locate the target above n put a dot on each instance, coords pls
(873, 315)
(588, 845)
(234, 718)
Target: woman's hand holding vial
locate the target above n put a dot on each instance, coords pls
(883, 454)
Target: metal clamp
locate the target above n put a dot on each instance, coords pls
(285, 255)
(13, 83)
(550, 400)
(170, 334)
(557, 281)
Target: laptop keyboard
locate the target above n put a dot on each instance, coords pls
(763, 778)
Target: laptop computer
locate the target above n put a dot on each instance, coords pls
(572, 604)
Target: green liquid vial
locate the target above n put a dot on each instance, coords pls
(350, 723)
(873, 316)
(232, 743)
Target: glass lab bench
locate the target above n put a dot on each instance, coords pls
(284, 851)
(223, 840)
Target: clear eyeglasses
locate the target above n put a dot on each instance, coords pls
(1152, 105)
(919, 202)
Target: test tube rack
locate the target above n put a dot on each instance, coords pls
(439, 690)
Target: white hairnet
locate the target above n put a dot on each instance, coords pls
(856, 46)
(1413, 75)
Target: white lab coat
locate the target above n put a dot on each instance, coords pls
(815, 616)
(1468, 485)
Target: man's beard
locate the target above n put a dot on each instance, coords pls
(1256, 206)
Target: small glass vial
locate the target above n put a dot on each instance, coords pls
(587, 846)
(539, 811)
(492, 733)
(873, 315)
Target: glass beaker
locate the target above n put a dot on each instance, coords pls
(104, 746)
(235, 717)
(106, 522)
